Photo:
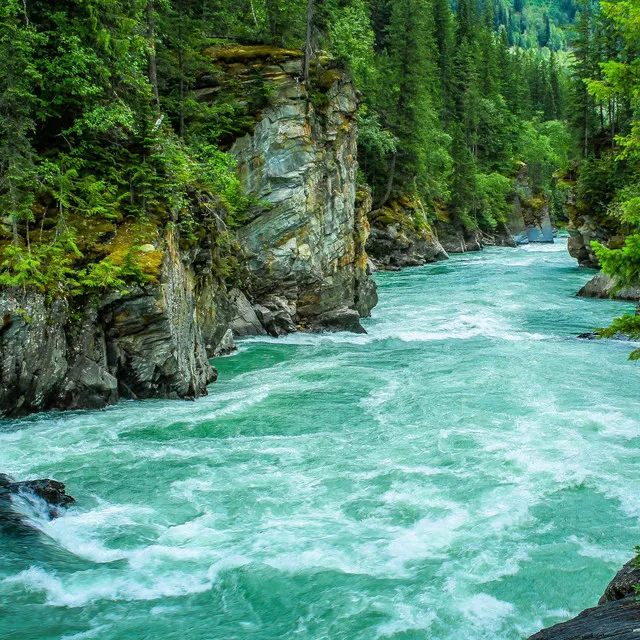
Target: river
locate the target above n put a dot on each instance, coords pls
(466, 470)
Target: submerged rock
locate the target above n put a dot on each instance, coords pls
(593, 335)
(617, 615)
(51, 492)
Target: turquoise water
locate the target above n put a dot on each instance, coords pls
(466, 470)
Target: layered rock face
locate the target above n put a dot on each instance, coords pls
(401, 237)
(146, 343)
(303, 253)
(530, 218)
(305, 247)
(616, 616)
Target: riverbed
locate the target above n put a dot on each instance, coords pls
(466, 470)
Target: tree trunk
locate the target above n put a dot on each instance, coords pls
(153, 66)
(26, 13)
(273, 21)
(391, 177)
(308, 51)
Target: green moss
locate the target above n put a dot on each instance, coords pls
(241, 53)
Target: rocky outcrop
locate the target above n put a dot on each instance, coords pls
(145, 343)
(616, 616)
(603, 286)
(402, 237)
(530, 217)
(456, 239)
(587, 226)
(302, 251)
(304, 244)
(585, 230)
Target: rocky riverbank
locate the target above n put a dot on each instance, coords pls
(617, 615)
(302, 251)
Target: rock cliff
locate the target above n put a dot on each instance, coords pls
(401, 236)
(305, 245)
(530, 217)
(145, 343)
(302, 250)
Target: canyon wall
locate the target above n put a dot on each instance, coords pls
(302, 248)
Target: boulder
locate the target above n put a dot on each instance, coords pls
(51, 492)
(603, 286)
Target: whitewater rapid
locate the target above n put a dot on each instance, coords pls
(467, 469)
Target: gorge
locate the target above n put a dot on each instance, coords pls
(375, 243)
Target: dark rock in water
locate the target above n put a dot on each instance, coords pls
(618, 620)
(592, 335)
(339, 320)
(617, 616)
(623, 585)
(50, 491)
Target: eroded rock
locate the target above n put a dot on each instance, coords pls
(305, 250)
(603, 286)
(51, 492)
(617, 616)
(401, 237)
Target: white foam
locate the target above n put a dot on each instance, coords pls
(486, 611)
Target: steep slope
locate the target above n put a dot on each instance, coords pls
(302, 249)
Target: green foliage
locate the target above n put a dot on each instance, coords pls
(606, 121)
(493, 190)
(99, 116)
(627, 325)
(624, 263)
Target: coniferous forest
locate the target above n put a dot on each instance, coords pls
(101, 122)
(100, 118)
(444, 452)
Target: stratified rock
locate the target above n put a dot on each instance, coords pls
(305, 265)
(618, 620)
(623, 585)
(401, 237)
(603, 286)
(245, 322)
(304, 250)
(145, 343)
(530, 218)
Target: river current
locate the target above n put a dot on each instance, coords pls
(466, 470)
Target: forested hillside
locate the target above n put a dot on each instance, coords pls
(605, 121)
(101, 125)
